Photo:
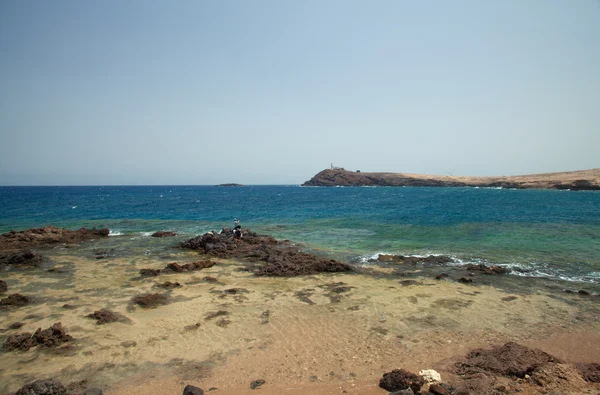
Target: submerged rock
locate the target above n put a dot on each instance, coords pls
(169, 285)
(105, 316)
(50, 337)
(3, 286)
(149, 272)
(164, 234)
(413, 260)
(149, 301)
(15, 300)
(23, 258)
(48, 235)
(189, 267)
(267, 256)
(43, 387)
(481, 268)
(400, 379)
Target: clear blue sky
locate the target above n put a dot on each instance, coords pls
(270, 92)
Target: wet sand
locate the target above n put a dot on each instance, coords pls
(323, 334)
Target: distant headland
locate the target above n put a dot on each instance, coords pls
(231, 184)
(571, 180)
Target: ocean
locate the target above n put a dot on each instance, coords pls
(543, 234)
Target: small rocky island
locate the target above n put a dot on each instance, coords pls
(570, 180)
(231, 184)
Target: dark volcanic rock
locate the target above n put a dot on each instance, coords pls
(22, 341)
(192, 390)
(164, 234)
(149, 272)
(48, 235)
(43, 387)
(24, 258)
(105, 316)
(511, 360)
(169, 285)
(149, 301)
(3, 286)
(414, 260)
(465, 280)
(267, 256)
(257, 383)
(481, 268)
(50, 337)
(15, 300)
(400, 379)
(15, 325)
(589, 371)
(189, 267)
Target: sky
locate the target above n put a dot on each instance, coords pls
(143, 92)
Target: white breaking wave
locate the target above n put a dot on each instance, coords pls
(115, 233)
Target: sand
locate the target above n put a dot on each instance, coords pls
(322, 334)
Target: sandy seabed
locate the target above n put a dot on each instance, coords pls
(317, 334)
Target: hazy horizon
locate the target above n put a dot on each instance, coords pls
(270, 93)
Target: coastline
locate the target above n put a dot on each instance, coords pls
(377, 320)
(572, 180)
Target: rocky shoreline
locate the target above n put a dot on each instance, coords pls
(301, 297)
(573, 180)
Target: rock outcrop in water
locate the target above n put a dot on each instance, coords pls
(573, 180)
(46, 236)
(265, 255)
(50, 337)
(105, 316)
(164, 234)
(16, 300)
(21, 259)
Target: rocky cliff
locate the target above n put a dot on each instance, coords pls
(573, 180)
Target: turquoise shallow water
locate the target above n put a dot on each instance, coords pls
(549, 234)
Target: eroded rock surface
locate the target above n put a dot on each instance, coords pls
(512, 360)
(47, 235)
(267, 256)
(50, 337)
(17, 300)
(164, 234)
(149, 301)
(400, 379)
(43, 387)
(105, 316)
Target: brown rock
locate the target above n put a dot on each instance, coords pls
(437, 389)
(149, 272)
(15, 300)
(400, 379)
(105, 316)
(43, 387)
(164, 234)
(51, 337)
(511, 360)
(589, 371)
(46, 236)
(266, 255)
(3, 286)
(150, 301)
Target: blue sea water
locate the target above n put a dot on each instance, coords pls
(546, 233)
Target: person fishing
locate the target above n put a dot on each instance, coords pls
(237, 228)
